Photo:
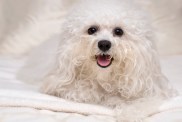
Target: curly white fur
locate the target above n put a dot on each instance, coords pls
(135, 73)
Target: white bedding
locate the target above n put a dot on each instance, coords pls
(21, 102)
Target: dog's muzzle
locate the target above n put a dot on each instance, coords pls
(104, 60)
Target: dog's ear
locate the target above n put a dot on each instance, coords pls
(63, 73)
(142, 74)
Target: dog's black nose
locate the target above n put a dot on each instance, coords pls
(104, 45)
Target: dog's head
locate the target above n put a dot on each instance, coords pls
(110, 42)
(108, 34)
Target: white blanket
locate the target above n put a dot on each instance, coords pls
(21, 102)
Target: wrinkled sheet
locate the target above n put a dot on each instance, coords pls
(21, 102)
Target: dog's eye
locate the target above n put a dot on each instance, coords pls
(92, 30)
(118, 31)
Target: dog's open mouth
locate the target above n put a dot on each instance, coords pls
(104, 61)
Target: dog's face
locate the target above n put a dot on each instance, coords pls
(104, 47)
(106, 38)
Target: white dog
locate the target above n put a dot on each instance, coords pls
(105, 55)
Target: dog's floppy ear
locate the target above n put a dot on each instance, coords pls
(62, 75)
(63, 72)
(142, 72)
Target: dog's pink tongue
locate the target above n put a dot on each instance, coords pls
(104, 60)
